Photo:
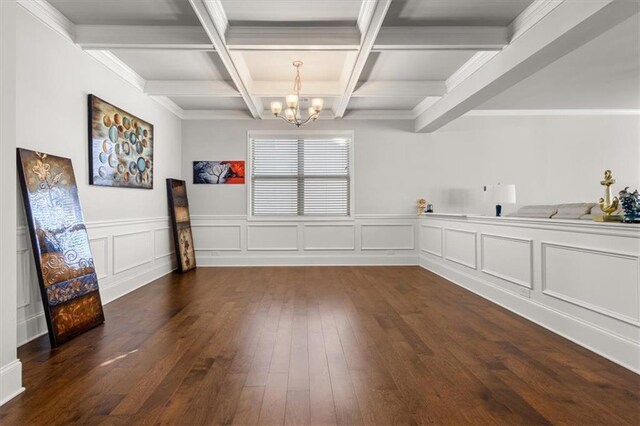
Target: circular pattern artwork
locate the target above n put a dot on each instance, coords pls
(121, 147)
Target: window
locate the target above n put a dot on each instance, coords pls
(300, 177)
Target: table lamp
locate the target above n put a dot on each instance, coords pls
(503, 194)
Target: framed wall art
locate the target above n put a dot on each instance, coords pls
(64, 264)
(120, 147)
(218, 172)
(181, 224)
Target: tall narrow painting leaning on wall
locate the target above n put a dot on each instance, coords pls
(66, 274)
(120, 147)
(181, 223)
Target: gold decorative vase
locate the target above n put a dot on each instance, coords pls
(422, 203)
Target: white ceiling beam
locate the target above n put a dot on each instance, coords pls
(215, 115)
(567, 27)
(292, 38)
(106, 37)
(278, 89)
(218, 89)
(213, 20)
(374, 114)
(399, 89)
(370, 28)
(441, 38)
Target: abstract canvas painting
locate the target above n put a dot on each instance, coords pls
(181, 223)
(120, 147)
(64, 265)
(218, 172)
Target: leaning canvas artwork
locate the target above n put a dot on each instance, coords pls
(64, 265)
(120, 147)
(218, 172)
(181, 224)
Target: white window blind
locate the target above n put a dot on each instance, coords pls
(309, 177)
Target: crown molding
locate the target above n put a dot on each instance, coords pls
(531, 16)
(112, 62)
(169, 105)
(51, 17)
(552, 112)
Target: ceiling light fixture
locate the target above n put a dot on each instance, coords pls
(292, 114)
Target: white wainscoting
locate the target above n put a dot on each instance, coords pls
(364, 240)
(508, 258)
(611, 277)
(460, 246)
(127, 255)
(579, 279)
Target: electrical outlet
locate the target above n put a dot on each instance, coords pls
(215, 253)
(390, 252)
(525, 292)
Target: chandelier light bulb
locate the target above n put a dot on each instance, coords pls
(292, 101)
(313, 112)
(276, 108)
(290, 114)
(317, 104)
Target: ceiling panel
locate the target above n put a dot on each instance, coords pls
(248, 12)
(174, 64)
(277, 66)
(305, 104)
(209, 103)
(127, 12)
(454, 12)
(417, 65)
(594, 76)
(402, 104)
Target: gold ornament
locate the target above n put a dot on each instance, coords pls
(422, 203)
(609, 203)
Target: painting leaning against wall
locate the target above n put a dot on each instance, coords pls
(64, 264)
(181, 224)
(218, 172)
(120, 147)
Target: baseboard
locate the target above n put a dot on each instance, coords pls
(604, 343)
(10, 381)
(36, 326)
(119, 288)
(306, 260)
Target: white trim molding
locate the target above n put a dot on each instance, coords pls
(10, 381)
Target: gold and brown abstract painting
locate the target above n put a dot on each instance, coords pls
(181, 222)
(120, 147)
(64, 264)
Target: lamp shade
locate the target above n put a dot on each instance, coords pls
(504, 193)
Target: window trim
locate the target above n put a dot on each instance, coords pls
(301, 134)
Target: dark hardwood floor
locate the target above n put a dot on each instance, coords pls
(317, 345)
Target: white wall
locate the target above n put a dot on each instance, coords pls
(10, 367)
(551, 159)
(388, 162)
(128, 228)
(387, 185)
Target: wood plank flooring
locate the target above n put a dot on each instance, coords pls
(317, 345)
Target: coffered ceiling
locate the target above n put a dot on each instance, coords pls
(425, 60)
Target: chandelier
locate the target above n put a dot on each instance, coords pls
(292, 114)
